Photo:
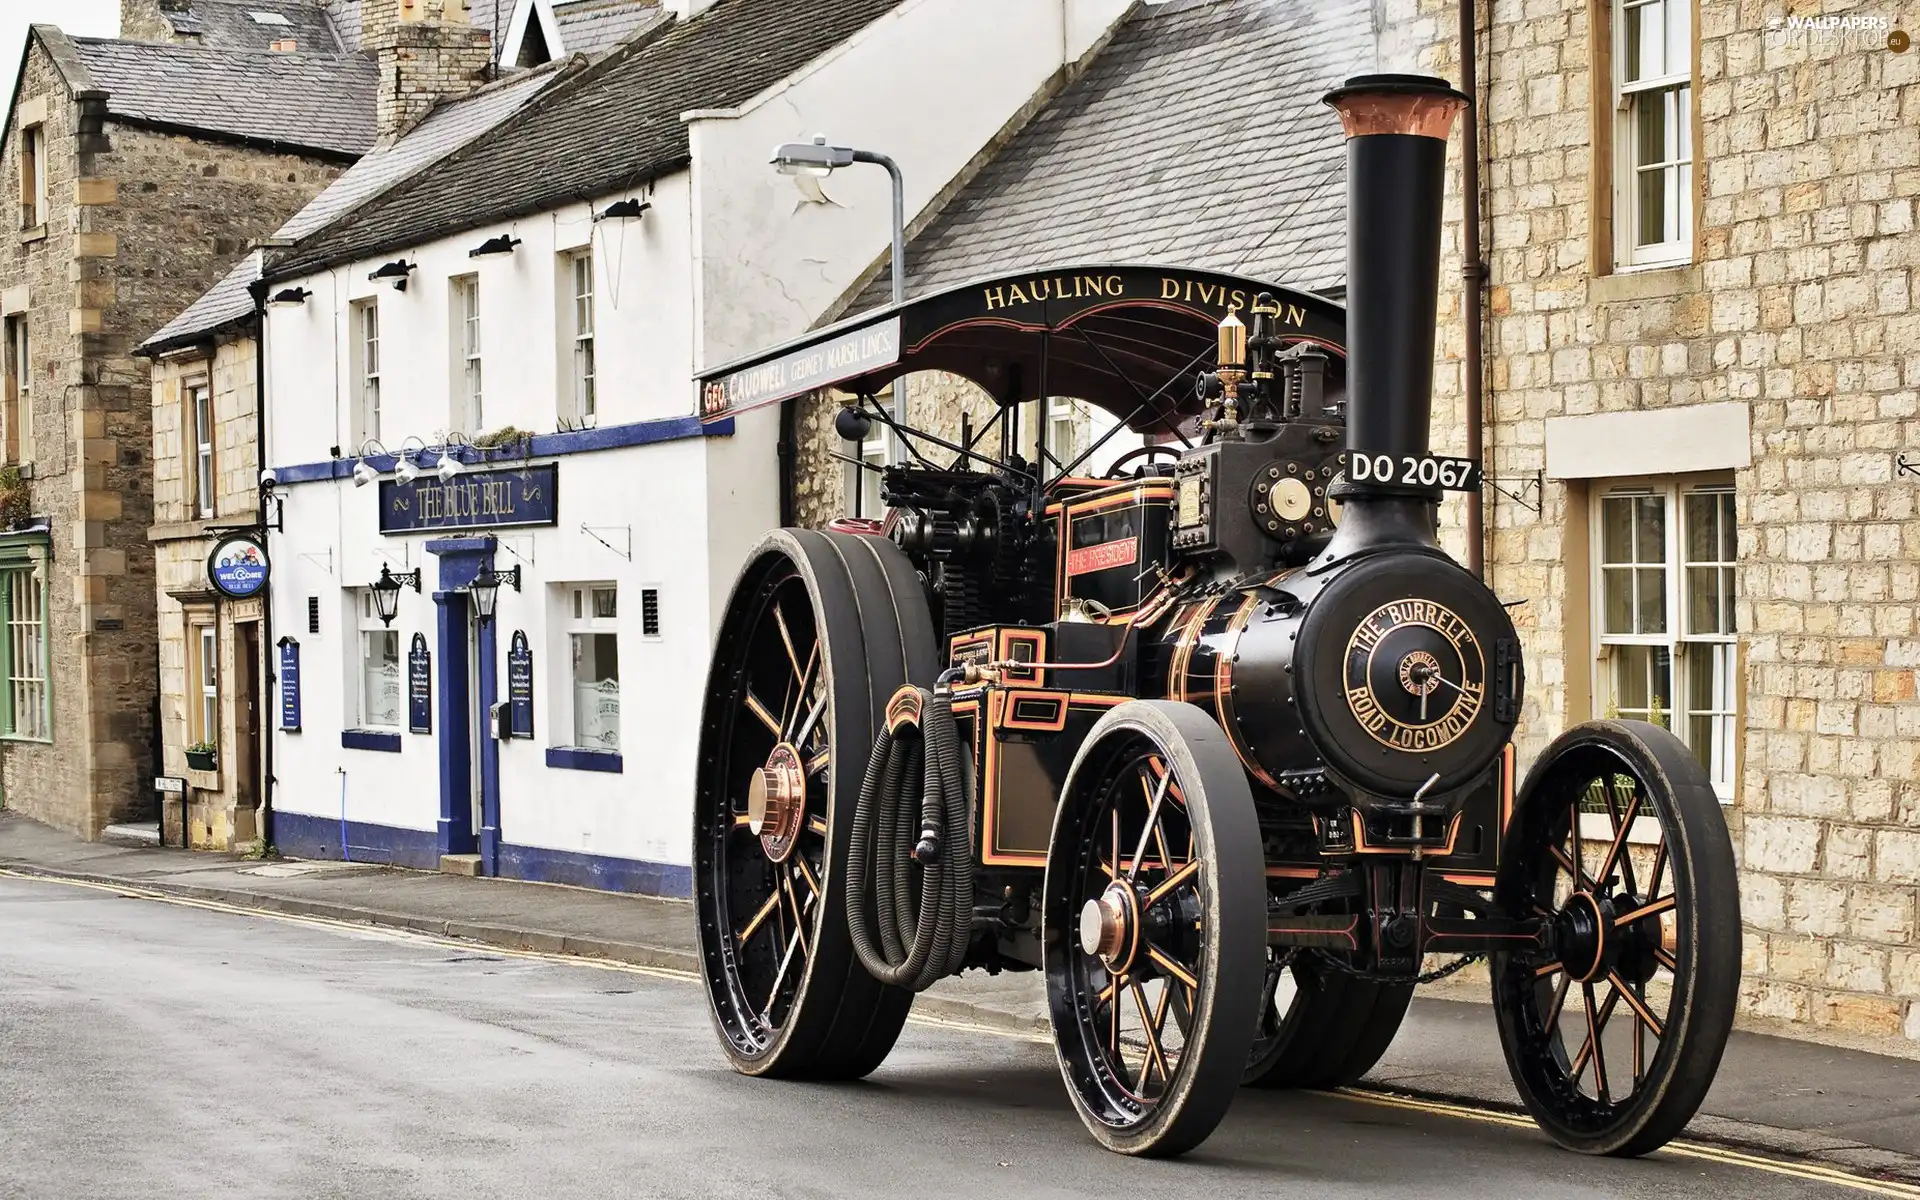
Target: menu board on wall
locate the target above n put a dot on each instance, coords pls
(519, 687)
(290, 685)
(419, 686)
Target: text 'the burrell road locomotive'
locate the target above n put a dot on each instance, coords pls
(1220, 742)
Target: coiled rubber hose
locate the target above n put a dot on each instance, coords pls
(915, 773)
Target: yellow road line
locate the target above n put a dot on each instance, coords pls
(1805, 1171)
(1683, 1149)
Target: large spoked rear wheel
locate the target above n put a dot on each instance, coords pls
(1613, 1036)
(820, 630)
(1155, 897)
(1320, 1027)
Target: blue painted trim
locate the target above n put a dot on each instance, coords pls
(456, 740)
(489, 687)
(367, 739)
(302, 835)
(573, 758)
(543, 445)
(461, 545)
(597, 871)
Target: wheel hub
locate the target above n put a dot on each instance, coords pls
(1582, 934)
(1110, 927)
(777, 802)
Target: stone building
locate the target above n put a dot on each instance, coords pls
(133, 182)
(1700, 377)
(218, 650)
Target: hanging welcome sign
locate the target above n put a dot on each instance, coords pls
(237, 568)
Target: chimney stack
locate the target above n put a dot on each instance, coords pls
(427, 51)
(1397, 128)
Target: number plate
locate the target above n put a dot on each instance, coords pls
(1405, 470)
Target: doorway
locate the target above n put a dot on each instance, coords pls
(246, 715)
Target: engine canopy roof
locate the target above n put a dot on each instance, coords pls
(1127, 338)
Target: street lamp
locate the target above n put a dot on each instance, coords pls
(485, 590)
(818, 158)
(386, 592)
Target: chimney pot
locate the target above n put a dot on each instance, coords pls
(284, 45)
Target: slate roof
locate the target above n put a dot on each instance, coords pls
(446, 129)
(300, 101)
(593, 27)
(614, 126)
(231, 25)
(1196, 137)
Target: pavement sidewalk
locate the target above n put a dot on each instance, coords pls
(1847, 1107)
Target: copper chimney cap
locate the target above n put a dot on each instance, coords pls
(1413, 104)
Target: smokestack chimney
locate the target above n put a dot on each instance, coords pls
(426, 51)
(1397, 128)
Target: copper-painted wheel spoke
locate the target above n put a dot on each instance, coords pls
(1156, 1057)
(760, 918)
(1580, 880)
(1113, 863)
(817, 825)
(1106, 993)
(817, 763)
(1666, 960)
(1173, 881)
(1619, 842)
(1626, 824)
(742, 820)
(1577, 867)
(779, 978)
(786, 639)
(1559, 1004)
(1638, 1005)
(1659, 867)
(806, 875)
(1172, 968)
(1596, 1025)
(1550, 969)
(760, 710)
(789, 719)
(1646, 910)
(799, 915)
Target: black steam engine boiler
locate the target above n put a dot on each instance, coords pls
(1220, 741)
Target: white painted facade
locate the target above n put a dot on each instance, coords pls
(726, 260)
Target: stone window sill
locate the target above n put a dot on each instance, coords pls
(25, 741)
(203, 781)
(1647, 283)
(35, 234)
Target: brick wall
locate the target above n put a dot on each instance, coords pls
(426, 53)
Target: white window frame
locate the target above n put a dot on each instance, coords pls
(1672, 89)
(579, 619)
(26, 651)
(370, 626)
(201, 426)
(1678, 635)
(33, 176)
(1074, 419)
(203, 647)
(19, 370)
(469, 385)
(580, 329)
(365, 322)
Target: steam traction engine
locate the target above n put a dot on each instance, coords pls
(1219, 742)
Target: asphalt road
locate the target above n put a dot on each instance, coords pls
(168, 1049)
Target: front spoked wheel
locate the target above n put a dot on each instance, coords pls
(1613, 1036)
(1154, 928)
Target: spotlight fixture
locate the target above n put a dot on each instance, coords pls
(449, 467)
(363, 473)
(292, 297)
(405, 470)
(623, 210)
(386, 592)
(485, 590)
(395, 272)
(503, 244)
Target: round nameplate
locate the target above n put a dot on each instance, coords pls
(238, 566)
(1415, 675)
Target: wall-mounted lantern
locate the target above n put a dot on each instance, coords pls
(623, 210)
(486, 590)
(502, 244)
(292, 297)
(395, 273)
(386, 592)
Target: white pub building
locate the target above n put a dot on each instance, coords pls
(500, 537)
